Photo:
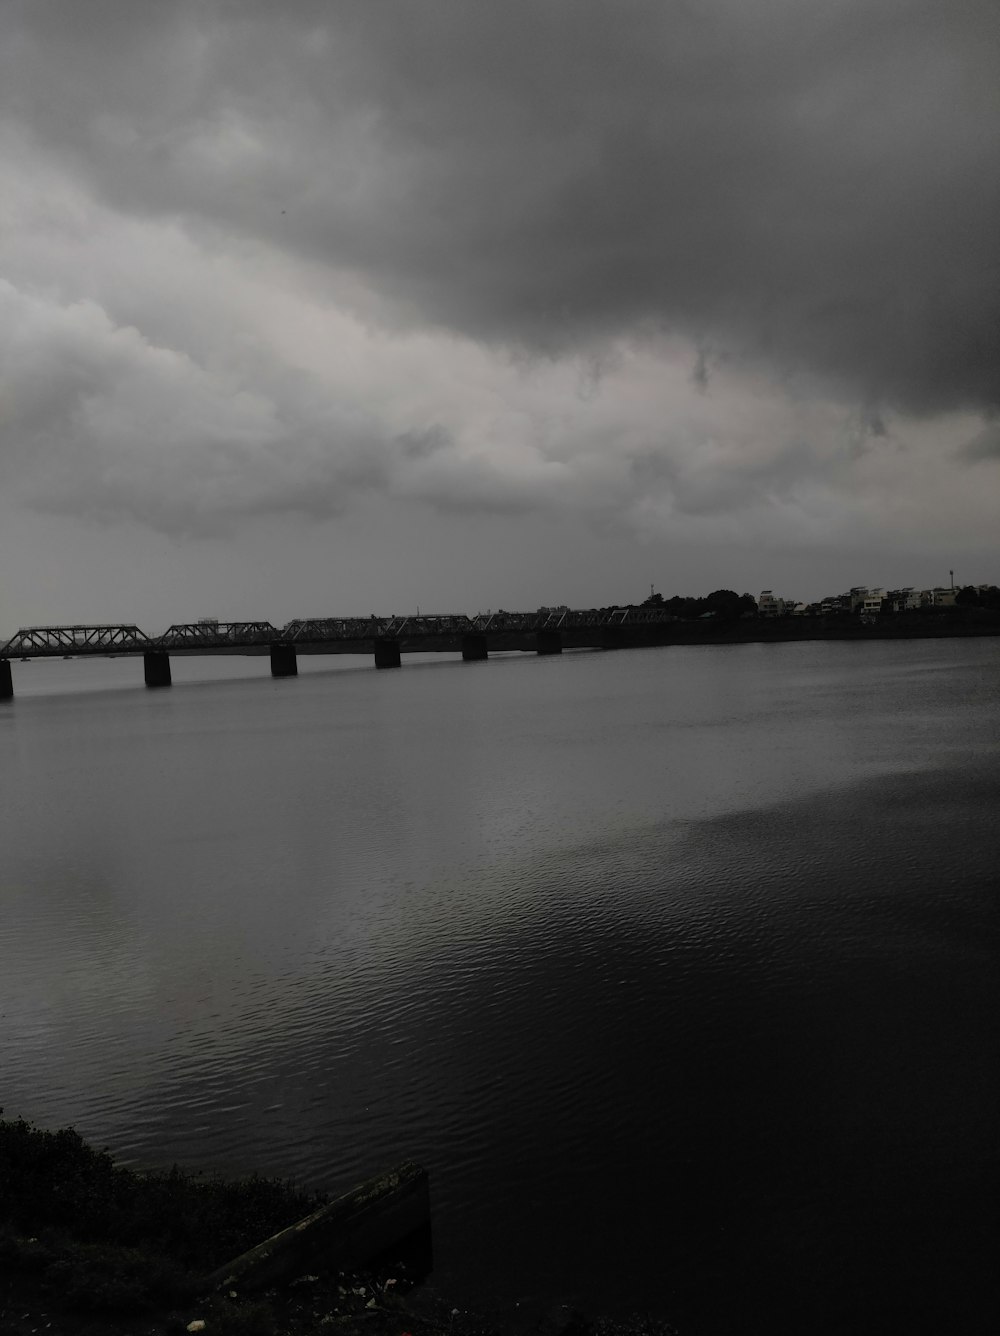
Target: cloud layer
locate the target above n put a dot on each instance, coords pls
(718, 269)
(812, 185)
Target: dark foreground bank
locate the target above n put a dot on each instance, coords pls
(88, 1247)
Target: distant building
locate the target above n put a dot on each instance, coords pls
(770, 606)
(938, 598)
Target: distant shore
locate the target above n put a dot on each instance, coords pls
(923, 625)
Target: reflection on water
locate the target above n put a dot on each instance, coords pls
(675, 967)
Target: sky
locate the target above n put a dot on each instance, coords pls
(341, 306)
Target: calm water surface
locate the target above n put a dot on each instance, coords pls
(677, 968)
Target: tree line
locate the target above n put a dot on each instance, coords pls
(982, 597)
(723, 604)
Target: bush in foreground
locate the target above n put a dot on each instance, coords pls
(107, 1238)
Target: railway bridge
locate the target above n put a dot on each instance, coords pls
(386, 638)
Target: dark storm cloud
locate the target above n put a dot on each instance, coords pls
(805, 186)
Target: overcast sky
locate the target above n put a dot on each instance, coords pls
(337, 306)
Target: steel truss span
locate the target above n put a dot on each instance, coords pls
(216, 635)
(316, 630)
(37, 641)
(209, 636)
(568, 619)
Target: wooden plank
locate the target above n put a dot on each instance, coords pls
(349, 1232)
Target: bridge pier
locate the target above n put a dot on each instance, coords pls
(474, 648)
(548, 642)
(156, 669)
(387, 654)
(283, 661)
(6, 681)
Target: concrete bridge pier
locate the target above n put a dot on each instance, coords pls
(156, 669)
(548, 642)
(474, 648)
(283, 661)
(387, 654)
(6, 681)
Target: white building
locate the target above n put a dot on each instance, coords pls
(770, 606)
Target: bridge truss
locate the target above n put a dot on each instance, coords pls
(38, 641)
(317, 630)
(567, 619)
(216, 635)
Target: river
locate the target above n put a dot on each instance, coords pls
(677, 968)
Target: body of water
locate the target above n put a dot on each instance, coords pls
(677, 968)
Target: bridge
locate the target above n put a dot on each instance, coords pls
(547, 631)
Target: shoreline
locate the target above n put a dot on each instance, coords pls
(90, 1248)
(946, 624)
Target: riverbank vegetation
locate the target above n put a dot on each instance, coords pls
(89, 1248)
(82, 1235)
